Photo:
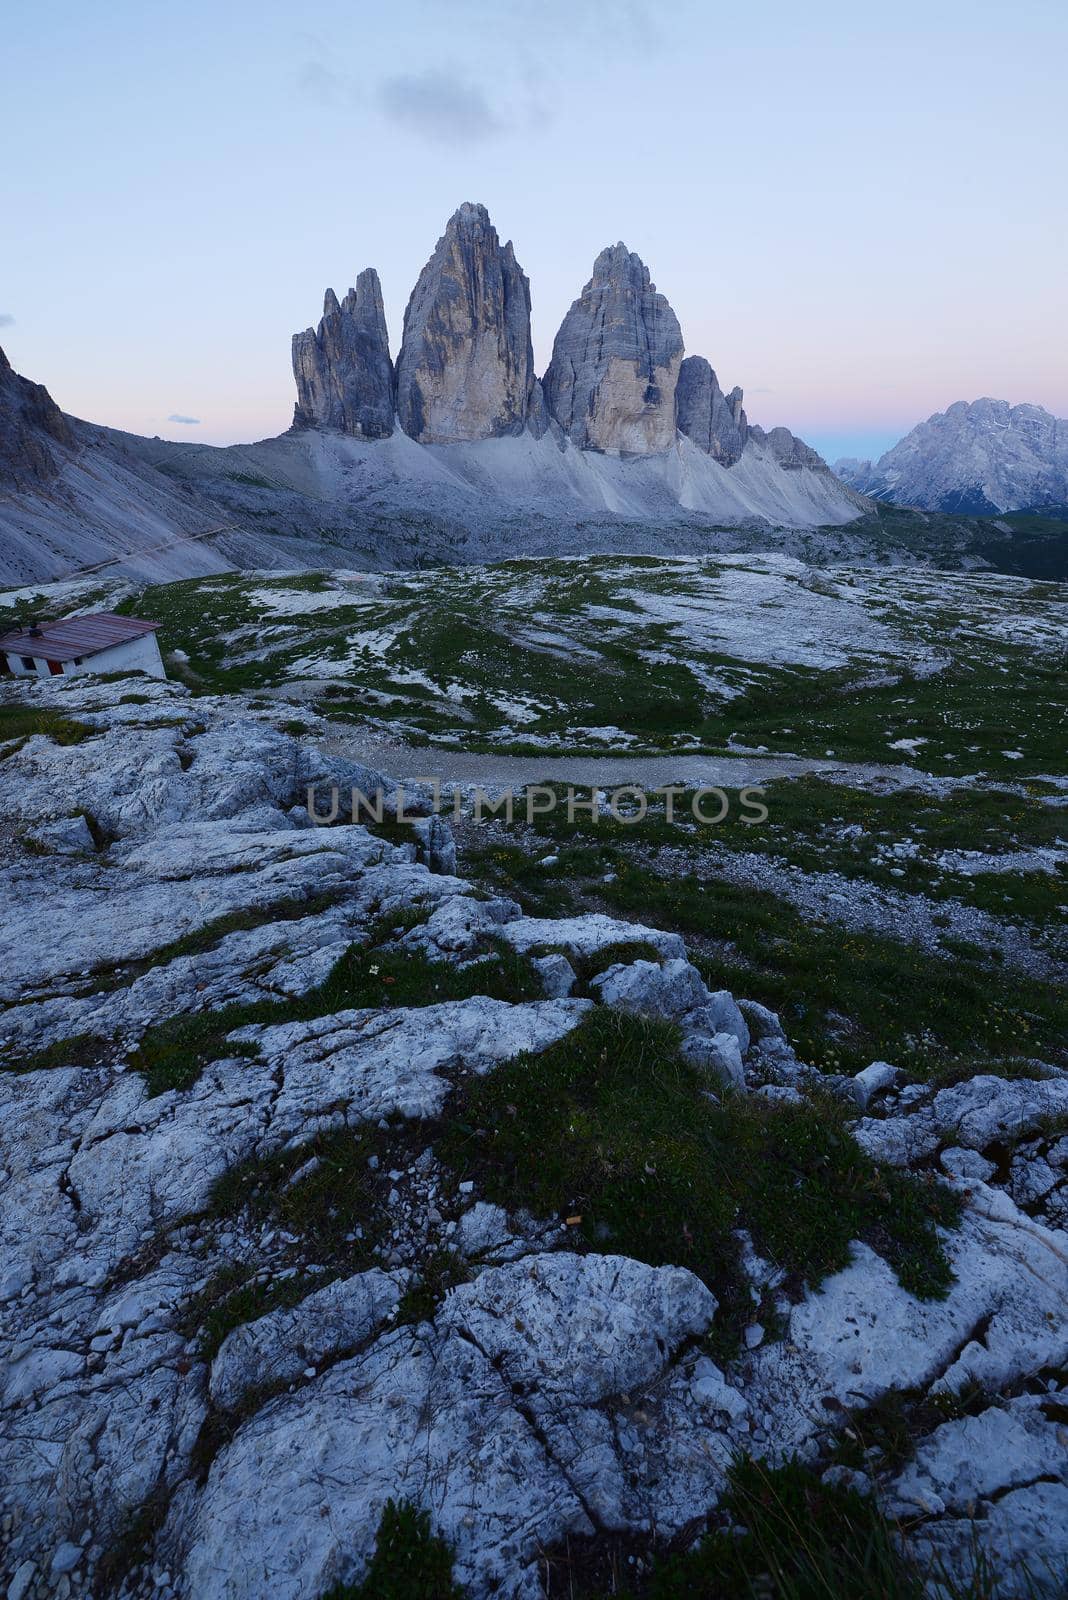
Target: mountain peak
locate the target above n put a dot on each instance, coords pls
(976, 458)
(611, 381)
(466, 365)
(714, 421)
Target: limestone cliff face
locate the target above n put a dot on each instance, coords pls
(30, 423)
(714, 421)
(466, 366)
(343, 371)
(616, 359)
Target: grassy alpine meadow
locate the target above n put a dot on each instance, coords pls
(955, 673)
(919, 718)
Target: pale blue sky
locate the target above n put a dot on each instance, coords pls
(858, 213)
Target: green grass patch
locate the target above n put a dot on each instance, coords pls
(80, 1050)
(438, 1273)
(846, 998)
(799, 1539)
(884, 1433)
(410, 1562)
(541, 891)
(778, 1533)
(23, 722)
(611, 1126)
(821, 826)
(338, 1209)
(134, 1543)
(331, 1193)
(1002, 699)
(579, 647)
(236, 1295)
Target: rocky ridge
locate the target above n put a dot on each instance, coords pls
(616, 382)
(343, 371)
(551, 1391)
(30, 421)
(456, 454)
(976, 460)
(76, 499)
(714, 421)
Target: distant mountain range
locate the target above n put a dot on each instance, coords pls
(973, 460)
(457, 451)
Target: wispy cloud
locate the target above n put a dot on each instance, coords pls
(326, 86)
(192, 422)
(6, 319)
(440, 106)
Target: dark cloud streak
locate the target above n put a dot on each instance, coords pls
(439, 106)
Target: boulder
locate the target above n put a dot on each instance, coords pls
(587, 934)
(719, 1013)
(650, 989)
(557, 976)
(875, 1079)
(719, 1054)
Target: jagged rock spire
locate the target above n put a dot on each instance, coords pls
(714, 421)
(611, 382)
(466, 365)
(343, 371)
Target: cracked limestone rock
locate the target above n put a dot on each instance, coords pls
(550, 1394)
(439, 1416)
(279, 1347)
(971, 1115)
(1004, 1471)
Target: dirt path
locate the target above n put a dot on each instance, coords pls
(494, 771)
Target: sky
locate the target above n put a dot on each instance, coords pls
(858, 213)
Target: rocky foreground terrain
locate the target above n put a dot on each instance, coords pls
(333, 1177)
